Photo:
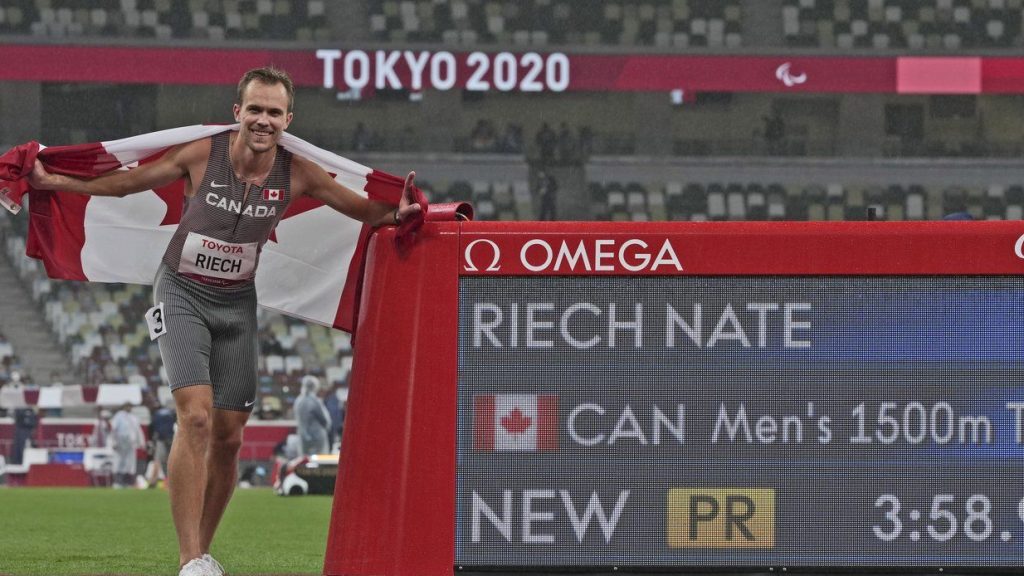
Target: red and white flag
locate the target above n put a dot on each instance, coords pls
(272, 194)
(311, 267)
(515, 422)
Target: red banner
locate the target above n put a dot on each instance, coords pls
(416, 70)
(744, 248)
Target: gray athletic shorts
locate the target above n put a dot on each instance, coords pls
(210, 338)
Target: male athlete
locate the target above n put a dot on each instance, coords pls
(205, 290)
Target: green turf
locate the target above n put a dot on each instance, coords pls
(93, 531)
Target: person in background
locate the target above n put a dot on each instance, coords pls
(361, 138)
(546, 141)
(25, 422)
(774, 133)
(566, 145)
(511, 141)
(102, 471)
(585, 138)
(161, 435)
(126, 437)
(101, 430)
(547, 188)
(312, 419)
(336, 410)
(483, 138)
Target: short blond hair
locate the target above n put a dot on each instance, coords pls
(270, 76)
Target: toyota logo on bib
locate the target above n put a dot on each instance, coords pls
(1018, 248)
(471, 250)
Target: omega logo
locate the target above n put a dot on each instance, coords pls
(471, 266)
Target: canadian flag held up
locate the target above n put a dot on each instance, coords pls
(311, 268)
(515, 422)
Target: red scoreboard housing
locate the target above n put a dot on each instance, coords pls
(395, 505)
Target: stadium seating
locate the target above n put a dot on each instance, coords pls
(101, 326)
(938, 25)
(302, 20)
(662, 23)
(9, 361)
(6, 349)
(695, 201)
(492, 200)
(721, 201)
(933, 25)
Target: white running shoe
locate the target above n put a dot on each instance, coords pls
(218, 570)
(196, 567)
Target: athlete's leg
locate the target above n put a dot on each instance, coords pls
(222, 466)
(233, 362)
(187, 469)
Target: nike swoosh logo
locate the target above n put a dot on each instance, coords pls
(250, 403)
(215, 185)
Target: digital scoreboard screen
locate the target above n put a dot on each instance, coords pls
(731, 420)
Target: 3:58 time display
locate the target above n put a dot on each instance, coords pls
(944, 518)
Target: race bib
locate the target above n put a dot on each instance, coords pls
(218, 259)
(155, 321)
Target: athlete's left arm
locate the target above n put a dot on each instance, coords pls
(310, 179)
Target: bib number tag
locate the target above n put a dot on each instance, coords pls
(155, 321)
(218, 259)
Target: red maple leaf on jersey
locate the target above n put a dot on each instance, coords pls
(173, 196)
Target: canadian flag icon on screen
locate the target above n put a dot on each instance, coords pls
(515, 422)
(272, 194)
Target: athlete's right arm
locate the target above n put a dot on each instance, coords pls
(175, 164)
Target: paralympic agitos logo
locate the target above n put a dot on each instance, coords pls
(540, 255)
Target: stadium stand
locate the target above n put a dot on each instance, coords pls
(9, 361)
(938, 25)
(101, 328)
(934, 25)
(662, 23)
(495, 137)
(492, 200)
(720, 201)
(303, 20)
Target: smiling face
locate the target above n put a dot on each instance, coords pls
(263, 115)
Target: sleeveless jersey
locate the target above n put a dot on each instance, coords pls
(222, 231)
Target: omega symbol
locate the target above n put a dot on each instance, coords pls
(471, 266)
